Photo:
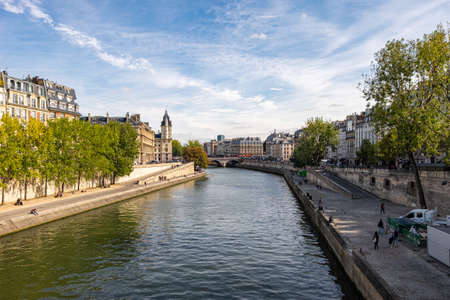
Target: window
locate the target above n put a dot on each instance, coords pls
(410, 215)
(40, 91)
(12, 84)
(24, 114)
(43, 117)
(28, 101)
(419, 215)
(33, 114)
(52, 115)
(14, 98)
(372, 181)
(31, 88)
(43, 104)
(18, 112)
(21, 100)
(19, 86)
(33, 102)
(25, 87)
(12, 112)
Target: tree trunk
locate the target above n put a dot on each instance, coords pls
(62, 188)
(79, 178)
(46, 184)
(26, 186)
(3, 195)
(422, 201)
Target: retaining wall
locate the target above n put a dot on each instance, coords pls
(37, 189)
(59, 211)
(399, 186)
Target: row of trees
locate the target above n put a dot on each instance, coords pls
(407, 90)
(64, 151)
(192, 151)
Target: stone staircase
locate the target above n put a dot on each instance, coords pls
(356, 191)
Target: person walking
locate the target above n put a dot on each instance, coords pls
(382, 209)
(395, 241)
(375, 239)
(380, 227)
(391, 240)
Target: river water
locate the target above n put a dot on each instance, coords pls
(238, 234)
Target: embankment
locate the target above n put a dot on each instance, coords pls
(21, 219)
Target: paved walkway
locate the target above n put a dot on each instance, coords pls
(409, 271)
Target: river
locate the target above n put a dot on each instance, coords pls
(238, 234)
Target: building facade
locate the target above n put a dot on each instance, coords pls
(145, 134)
(61, 101)
(36, 98)
(163, 140)
(248, 146)
(279, 145)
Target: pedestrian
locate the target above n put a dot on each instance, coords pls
(320, 205)
(380, 227)
(395, 242)
(391, 240)
(382, 209)
(375, 239)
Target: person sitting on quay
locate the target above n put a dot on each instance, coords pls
(34, 212)
(18, 202)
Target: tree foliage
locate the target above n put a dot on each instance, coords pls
(193, 151)
(64, 151)
(313, 144)
(407, 89)
(367, 154)
(177, 149)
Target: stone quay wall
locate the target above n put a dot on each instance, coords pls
(59, 210)
(37, 189)
(356, 267)
(400, 186)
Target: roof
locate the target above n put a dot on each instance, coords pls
(166, 117)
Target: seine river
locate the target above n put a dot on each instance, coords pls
(239, 234)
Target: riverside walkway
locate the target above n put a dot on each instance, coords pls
(408, 272)
(15, 218)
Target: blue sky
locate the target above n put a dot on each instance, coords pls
(238, 68)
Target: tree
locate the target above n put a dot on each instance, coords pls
(317, 137)
(124, 148)
(407, 88)
(31, 137)
(367, 153)
(193, 151)
(62, 155)
(9, 152)
(177, 149)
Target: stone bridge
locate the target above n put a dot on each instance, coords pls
(223, 161)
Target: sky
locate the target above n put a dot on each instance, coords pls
(238, 68)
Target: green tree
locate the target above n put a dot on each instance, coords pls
(31, 137)
(177, 149)
(317, 137)
(367, 153)
(407, 88)
(62, 155)
(124, 148)
(10, 161)
(46, 167)
(193, 151)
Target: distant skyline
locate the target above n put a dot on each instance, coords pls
(237, 68)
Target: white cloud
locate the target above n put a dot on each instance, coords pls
(276, 89)
(260, 36)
